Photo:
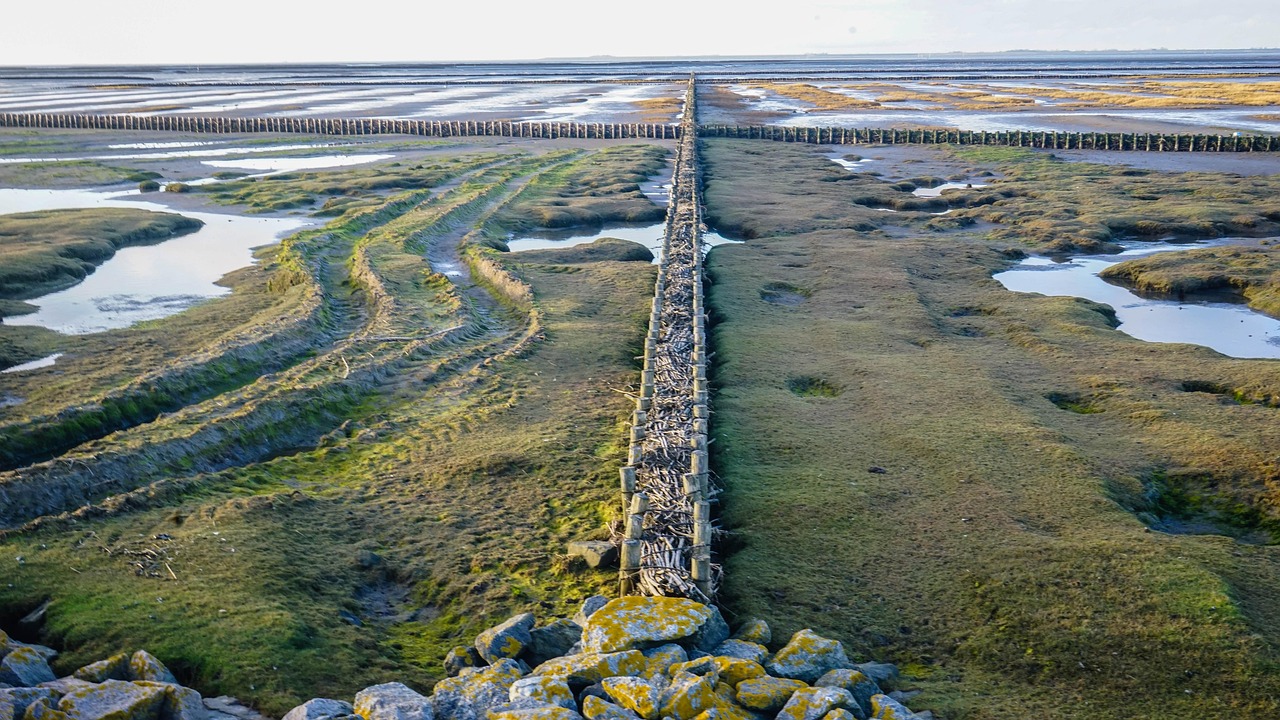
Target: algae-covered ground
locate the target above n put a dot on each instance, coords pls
(352, 463)
(1034, 514)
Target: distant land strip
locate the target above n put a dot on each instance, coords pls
(1055, 140)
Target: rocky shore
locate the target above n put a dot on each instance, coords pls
(633, 658)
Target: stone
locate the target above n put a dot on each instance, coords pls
(635, 695)
(658, 661)
(461, 657)
(597, 553)
(743, 650)
(552, 640)
(638, 622)
(115, 667)
(842, 714)
(180, 703)
(505, 640)
(14, 701)
(856, 682)
(884, 707)
(688, 696)
(595, 708)
(225, 707)
(589, 607)
(756, 631)
(43, 710)
(594, 667)
(808, 656)
(729, 669)
(474, 692)
(813, 703)
(320, 709)
(880, 673)
(114, 700)
(24, 667)
(62, 686)
(392, 701)
(144, 666)
(767, 694)
(546, 689)
(545, 712)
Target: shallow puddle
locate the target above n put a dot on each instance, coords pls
(32, 365)
(937, 191)
(286, 164)
(1229, 328)
(649, 236)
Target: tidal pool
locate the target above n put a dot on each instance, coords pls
(144, 282)
(649, 236)
(1232, 329)
(32, 365)
(287, 164)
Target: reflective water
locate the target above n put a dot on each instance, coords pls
(649, 236)
(937, 191)
(286, 164)
(33, 365)
(1230, 328)
(146, 282)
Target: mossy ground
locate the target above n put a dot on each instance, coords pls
(1251, 273)
(441, 503)
(944, 512)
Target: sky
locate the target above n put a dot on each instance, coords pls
(92, 32)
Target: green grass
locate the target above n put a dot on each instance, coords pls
(1001, 553)
(41, 252)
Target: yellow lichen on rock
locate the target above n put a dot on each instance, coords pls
(635, 695)
(689, 696)
(594, 667)
(767, 694)
(632, 622)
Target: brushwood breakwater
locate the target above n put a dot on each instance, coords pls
(1143, 142)
(666, 485)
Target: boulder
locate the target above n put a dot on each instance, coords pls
(856, 682)
(506, 640)
(225, 707)
(808, 656)
(545, 712)
(659, 660)
(115, 667)
(635, 695)
(62, 686)
(180, 703)
(743, 650)
(144, 666)
(593, 667)
(545, 689)
(688, 696)
(729, 669)
(25, 667)
(595, 708)
(320, 709)
(640, 622)
(842, 714)
(756, 631)
(15, 701)
(597, 553)
(461, 657)
(884, 707)
(767, 694)
(881, 674)
(392, 701)
(43, 710)
(474, 692)
(552, 640)
(114, 699)
(589, 607)
(814, 703)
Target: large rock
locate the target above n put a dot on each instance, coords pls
(595, 708)
(180, 703)
(392, 701)
(660, 660)
(635, 695)
(808, 656)
(593, 667)
(754, 630)
(815, 702)
(43, 710)
(114, 700)
(544, 712)
(856, 682)
(640, 622)
(767, 694)
(597, 553)
(460, 658)
(688, 696)
(14, 701)
(544, 689)
(884, 707)
(115, 667)
(506, 640)
(882, 674)
(144, 666)
(842, 714)
(743, 650)
(25, 667)
(320, 709)
(589, 607)
(552, 640)
(728, 669)
(62, 686)
(474, 692)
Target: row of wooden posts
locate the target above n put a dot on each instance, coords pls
(1146, 142)
(666, 485)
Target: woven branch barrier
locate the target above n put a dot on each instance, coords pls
(667, 487)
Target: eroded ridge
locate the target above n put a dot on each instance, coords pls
(667, 488)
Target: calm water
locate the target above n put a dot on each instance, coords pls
(147, 282)
(649, 236)
(1230, 328)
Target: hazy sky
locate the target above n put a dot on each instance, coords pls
(58, 32)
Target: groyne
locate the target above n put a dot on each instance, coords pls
(666, 485)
